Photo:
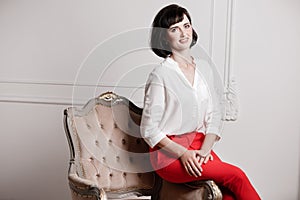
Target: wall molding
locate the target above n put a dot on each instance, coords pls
(37, 92)
(231, 99)
(212, 20)
(39, 100)
(54, 92)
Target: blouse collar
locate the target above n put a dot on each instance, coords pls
(172, 64)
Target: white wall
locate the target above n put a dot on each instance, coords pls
(265, 139)
(34, 152)
(44, 43)
(47, 46)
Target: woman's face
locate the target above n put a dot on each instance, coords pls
(180, 35)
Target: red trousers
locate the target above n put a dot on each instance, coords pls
(232, 181)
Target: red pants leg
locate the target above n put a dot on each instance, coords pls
(224, 174)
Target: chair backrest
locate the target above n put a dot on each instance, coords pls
(106, 145)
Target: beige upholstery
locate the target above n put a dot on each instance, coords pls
(109, 159)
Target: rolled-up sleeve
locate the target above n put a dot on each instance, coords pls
(214, 118)
(215, 110)
(154, 103)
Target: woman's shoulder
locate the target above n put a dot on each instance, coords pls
(208, 71)
(160, 72)
(206, 68)
(161, 68)
(202, 64)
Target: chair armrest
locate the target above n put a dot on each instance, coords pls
(83, 189)
(214, 192)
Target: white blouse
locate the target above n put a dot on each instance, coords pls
(173, 106)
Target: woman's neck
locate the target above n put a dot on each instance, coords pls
(183, 57)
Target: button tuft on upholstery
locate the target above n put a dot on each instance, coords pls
(138, 141)
(96, 142)
(118, 158)
(103, 159)
(115, 125)
(139, 175)
(98, 175)
(123, 141)
(91, 159)
(109, 141)
(110, 175)
(101, 126)
(131, 159)
(124, 174)
(89, 126)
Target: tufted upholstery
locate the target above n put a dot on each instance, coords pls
(109, 159)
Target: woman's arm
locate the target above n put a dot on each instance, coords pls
(154, 106)
(216, 107)
(208, 144)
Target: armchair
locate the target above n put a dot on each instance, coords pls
(110, 160)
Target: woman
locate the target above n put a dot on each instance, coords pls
(182, 113)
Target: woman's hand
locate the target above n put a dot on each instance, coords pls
(192, 161)
(204, 157)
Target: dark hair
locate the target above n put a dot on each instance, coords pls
(165, 18)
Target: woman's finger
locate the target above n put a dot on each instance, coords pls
(202, 159)
(187, 168)
(208, 158)
(196, 169)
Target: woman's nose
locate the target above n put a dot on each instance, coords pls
(182, 32)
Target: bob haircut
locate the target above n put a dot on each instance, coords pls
(165, 18)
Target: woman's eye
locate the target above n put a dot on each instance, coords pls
(173, 30)
(187, 26)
